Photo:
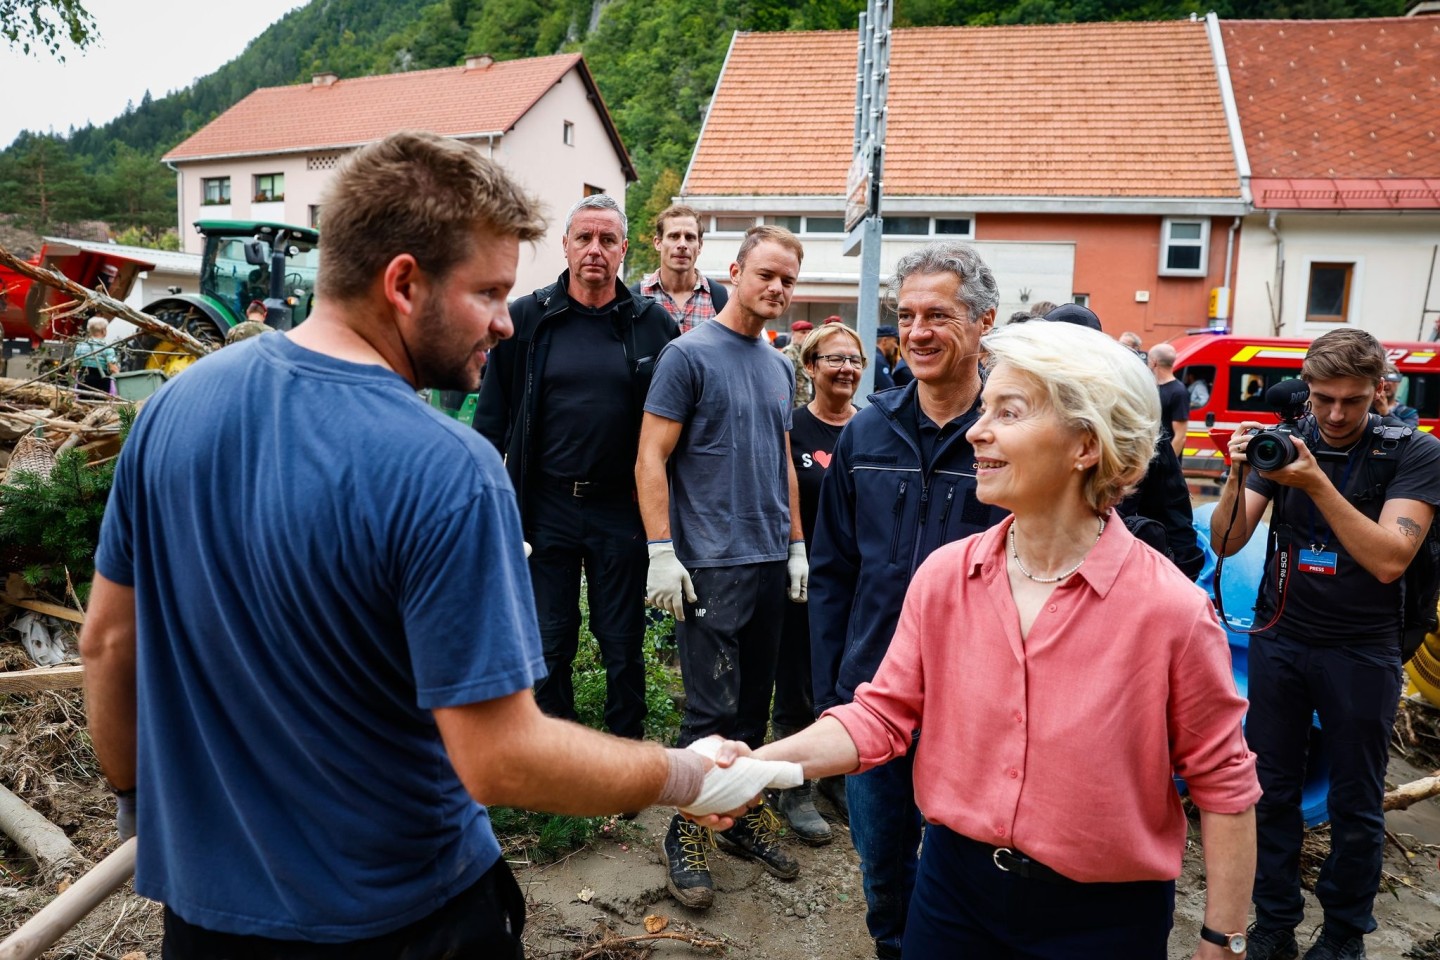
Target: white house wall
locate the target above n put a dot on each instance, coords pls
(1393, 257)
(535, 153)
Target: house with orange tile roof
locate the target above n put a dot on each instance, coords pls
(270, 156)
(1341, 141)
(1089, 162)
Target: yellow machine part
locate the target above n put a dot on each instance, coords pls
(1424, 669)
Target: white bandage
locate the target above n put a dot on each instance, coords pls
(730, 788)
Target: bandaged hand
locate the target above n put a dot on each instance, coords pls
(797, 567)
(726, 789)
(667, 580)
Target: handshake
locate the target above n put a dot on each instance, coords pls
(724, 791)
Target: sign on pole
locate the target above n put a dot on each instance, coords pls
(864, 184)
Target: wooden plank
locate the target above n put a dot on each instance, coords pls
(65, 677)
(70, 907)
(41, 606)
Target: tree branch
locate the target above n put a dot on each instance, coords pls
(105, 305)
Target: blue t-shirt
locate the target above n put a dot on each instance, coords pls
(729, 480)
(319, 560)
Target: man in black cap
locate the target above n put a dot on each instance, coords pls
(1158, 512)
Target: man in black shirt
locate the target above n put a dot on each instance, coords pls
(1350, 512)
(1174, 398)
(562, 400)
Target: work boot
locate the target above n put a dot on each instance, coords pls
(754, 837)
(797, 807)
(689, 880)
(1337, 944)
(1270, 943)
(833, 789)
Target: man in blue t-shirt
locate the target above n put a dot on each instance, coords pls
(721, 509)
(311, 639)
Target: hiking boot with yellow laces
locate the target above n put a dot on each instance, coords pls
(756, 837)
(686, 847)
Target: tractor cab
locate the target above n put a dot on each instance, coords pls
(243, 261)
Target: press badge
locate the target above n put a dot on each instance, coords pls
(1317, 561)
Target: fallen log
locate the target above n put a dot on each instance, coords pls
(1412, 793)
(38, 933)
(104, 305)
(38, 837)
(39, 394)
(68, 676)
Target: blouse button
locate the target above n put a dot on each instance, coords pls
(1051, 608)
(1014, 774)
(1019, 717)
(1000, 832)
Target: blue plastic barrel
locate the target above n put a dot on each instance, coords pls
(1240, 582)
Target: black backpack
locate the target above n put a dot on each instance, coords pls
(1421, 582)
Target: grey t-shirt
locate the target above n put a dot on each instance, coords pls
(729, 486)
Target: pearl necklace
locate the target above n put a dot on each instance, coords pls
(1030, 576)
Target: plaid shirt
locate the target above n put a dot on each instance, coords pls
(699, 308)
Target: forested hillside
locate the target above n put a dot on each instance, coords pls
(656, 62)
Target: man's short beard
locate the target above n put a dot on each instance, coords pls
(432, 364)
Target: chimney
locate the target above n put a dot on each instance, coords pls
(480, 62)
(323, 79)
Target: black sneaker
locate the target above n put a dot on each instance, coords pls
(833, 789)
(1270, 943)
(1335, 944)
(754, 837)
(686, 845)
(797, 808)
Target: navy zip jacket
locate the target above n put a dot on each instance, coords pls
(881, 514)
(505, 410)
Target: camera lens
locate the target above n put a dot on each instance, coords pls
(1270, 451)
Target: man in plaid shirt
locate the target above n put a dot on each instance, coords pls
(678, 285)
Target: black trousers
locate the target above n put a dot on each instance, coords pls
(603, 536)
(483, 922)
(965, 906)
(95, 379)
(794, 695)
(1355, 690)
(728, 646)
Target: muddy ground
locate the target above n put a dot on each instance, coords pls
(620, 882)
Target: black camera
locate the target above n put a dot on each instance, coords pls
(1272, 449)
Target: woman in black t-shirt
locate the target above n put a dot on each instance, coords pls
(834, 358)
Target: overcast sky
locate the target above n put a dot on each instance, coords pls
(155, 45)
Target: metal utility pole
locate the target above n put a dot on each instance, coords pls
(864, 185)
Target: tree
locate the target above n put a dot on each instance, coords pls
(46, 24)
(43, 185)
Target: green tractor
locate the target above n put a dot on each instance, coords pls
(243, 261)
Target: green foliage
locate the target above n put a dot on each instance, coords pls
(54, 522)
(46, 24)
(662, 720)
(141, 237)
(43, 185)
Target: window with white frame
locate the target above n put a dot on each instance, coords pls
(568, 134)
(955, 227)
(834, 225)
(1184, 247)
(789, 223)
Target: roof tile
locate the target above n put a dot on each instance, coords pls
(453, 101)
(1110, 110)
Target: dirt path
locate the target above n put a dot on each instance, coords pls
(821, 914)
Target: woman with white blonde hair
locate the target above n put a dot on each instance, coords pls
(1060, 673)
(95, 358)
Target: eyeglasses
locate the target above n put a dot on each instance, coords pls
(837, 360)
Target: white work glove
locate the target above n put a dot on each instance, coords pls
(730, 788)
(797, 568)
(667, 581)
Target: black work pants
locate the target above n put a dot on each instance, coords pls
(604, 536)
(481, 923)
(728, 645)
(1355, 690)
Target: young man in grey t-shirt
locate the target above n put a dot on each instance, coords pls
(724, 539)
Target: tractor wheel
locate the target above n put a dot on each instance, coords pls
(157, 353)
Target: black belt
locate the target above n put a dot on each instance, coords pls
(1013, 861)
(588, 488)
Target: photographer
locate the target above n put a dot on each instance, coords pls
(1353, 500)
